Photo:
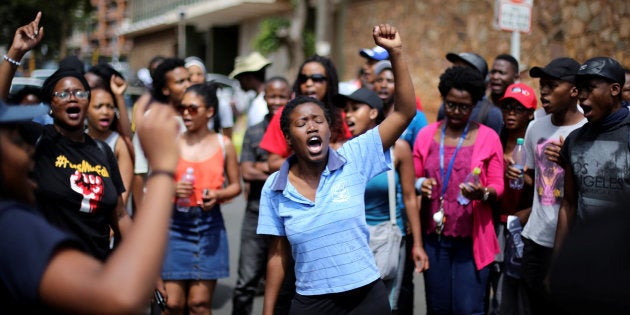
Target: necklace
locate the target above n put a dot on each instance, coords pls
(439, 217)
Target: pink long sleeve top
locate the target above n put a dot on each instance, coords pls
(487, 154)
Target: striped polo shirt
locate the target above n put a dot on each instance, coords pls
(328, 237)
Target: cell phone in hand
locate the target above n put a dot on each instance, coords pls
(159, 299)
(204, 195)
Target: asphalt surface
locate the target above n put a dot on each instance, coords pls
(222, 300)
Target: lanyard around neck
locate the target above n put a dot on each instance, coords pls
(445, 177)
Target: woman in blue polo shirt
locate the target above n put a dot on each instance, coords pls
(314, 205)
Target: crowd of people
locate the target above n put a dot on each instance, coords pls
(108, 213)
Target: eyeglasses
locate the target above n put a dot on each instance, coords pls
(517, 108)
(464, 108)
(192, 109)
(317, 77)
(65, 95)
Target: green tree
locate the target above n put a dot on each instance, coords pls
(59, 19)
(291, 32)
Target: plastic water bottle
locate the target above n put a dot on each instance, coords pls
(472, 178)
(520, 159)
(515, 229)
(183, 203)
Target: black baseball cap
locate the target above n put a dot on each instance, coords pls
(472, 59)
(603, 67)
(562, 68)
(363, 96)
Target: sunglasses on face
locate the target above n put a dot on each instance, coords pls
(192, 109)
(464, 108)
(517, 108)
(316, 78)
(65, 95)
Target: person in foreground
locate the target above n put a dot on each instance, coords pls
(46, 270)
(314, 206)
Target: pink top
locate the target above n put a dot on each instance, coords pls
(459, 219)
(487, 154)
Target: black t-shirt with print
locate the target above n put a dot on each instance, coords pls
(78, 187)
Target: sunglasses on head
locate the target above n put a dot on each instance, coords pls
(192, 109)
(317, 77)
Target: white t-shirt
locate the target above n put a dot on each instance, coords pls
(257, 110)
(226, 116)
(548, 182)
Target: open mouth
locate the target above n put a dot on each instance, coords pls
(312, 94)
(587, 109)
(73, 112)
(545, 104)
(314, 145)
(104, 122)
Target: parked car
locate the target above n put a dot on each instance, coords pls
(42, 74)
(19, 83)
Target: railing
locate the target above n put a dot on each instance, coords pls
(145, 9)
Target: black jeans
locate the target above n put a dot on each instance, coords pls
(535, 266)
(252, 262)
(252, 266)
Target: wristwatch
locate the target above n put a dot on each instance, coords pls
(486, 194)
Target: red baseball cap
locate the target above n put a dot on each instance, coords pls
(522, 93)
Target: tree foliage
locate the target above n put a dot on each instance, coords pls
(272, 33)
(59, 18)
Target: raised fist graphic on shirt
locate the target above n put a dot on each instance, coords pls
(90, 187)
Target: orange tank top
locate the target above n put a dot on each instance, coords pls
(208, 173)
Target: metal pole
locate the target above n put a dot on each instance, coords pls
(515, 46)
(322, 45)
(181, 35)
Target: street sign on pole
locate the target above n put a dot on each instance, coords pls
(514, 15)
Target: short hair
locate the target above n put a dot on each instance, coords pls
(159, 77)
(208, 93)
(277, 78)
(463, 79)
(105, 72)
(156, 59)
(509, 58)
(17, 97)
(285, 120)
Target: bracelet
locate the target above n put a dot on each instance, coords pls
(11, 61)
(170, 174)
(418, 185)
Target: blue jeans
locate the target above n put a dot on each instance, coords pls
(453, 285)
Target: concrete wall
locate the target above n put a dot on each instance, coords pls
(148, 46)
(580, 29)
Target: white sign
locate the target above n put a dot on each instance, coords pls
(514, 15)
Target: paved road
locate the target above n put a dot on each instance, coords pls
(222, 301)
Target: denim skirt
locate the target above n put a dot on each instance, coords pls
(197, 246)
